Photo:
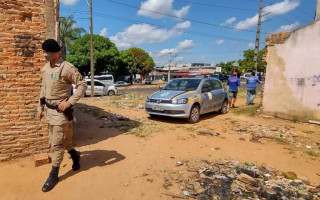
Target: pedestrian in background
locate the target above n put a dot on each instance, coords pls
(55, 100)
(233, 82)
(252, 88)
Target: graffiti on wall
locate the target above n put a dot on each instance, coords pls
(26, 45)
(303, 81)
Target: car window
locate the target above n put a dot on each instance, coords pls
(96, 83)
(183, 84)
(104, 78)
(216, 85)
(207, 85)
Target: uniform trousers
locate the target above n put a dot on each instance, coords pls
(60, 139)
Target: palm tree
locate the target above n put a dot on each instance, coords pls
(68, 33)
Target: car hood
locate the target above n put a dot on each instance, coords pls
(167, 94)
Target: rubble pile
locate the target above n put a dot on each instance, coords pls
(259, 131)
(229, 179)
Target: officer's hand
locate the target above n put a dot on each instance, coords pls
(64, 105)
(40, 114)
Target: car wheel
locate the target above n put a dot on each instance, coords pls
(194, 114)
(224, 107)
(111, 93)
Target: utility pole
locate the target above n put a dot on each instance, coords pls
(256, 50)
(169, 73)
(91, 52)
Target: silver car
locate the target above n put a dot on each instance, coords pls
(100, 88)
(188, 98)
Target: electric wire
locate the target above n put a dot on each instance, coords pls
(159, 26)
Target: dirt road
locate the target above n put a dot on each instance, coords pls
(130, 158)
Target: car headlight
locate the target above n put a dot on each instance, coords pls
(180, 101)
(147, 99)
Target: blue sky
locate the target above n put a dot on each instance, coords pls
(207, 31)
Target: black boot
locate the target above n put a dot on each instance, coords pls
(52, 180)
(75, 156)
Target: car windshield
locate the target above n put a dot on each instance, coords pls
(183, 84)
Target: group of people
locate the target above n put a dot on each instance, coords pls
(234, 82)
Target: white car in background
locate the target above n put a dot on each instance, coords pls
(100, 88)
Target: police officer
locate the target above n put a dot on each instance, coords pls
(57, 79)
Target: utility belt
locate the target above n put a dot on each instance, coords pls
(67, 112)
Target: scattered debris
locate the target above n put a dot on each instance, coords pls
(229, 179)
(308, 147)
(203, 132)
(179, 163)
(314, 122)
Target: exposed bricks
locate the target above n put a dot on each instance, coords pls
(22, 27)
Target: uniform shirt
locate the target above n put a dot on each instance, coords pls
(233, 83)
(252, 82)
(56, 86)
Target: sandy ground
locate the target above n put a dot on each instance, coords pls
(118, 165)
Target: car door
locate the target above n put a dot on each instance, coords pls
(218, 94)
(98, 88)
(206, 97)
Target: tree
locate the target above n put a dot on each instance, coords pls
(137, 61)
(68, 33)
(105, 54)
(247, 64)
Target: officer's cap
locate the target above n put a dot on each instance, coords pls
(51, 45)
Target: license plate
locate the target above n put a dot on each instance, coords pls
(159, 108)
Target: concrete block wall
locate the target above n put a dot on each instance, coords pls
(23, 28)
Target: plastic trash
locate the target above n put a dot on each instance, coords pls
(186, 193)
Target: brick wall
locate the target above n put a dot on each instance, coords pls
(23, 28)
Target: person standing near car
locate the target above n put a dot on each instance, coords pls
(233, 82)
(55, 98)
(252, 88)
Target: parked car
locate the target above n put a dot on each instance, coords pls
(147, 81)
(99, 88)
(120, 83)
(245, 76)
(188, 98)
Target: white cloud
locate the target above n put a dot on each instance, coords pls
(104, 32)
(276, 9)
(220, 42)
(251, 45)
(137, 34)
(183, 25)
(184, 46)
(161, 6)
(69, 2)
(229, 21)
(288, 27)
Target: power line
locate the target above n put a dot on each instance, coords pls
(160, 26)
(172, 16)
(215, 5)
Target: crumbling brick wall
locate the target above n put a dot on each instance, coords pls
(23, 28)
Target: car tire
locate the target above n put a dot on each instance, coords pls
(194, 114)
(111, 93)
(224, 107)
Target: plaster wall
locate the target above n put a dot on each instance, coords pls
(292, 87)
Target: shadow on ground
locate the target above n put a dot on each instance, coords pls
(94, 124)
(95, 158)
(172, 120)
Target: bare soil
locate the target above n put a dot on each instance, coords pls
(126, 158)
